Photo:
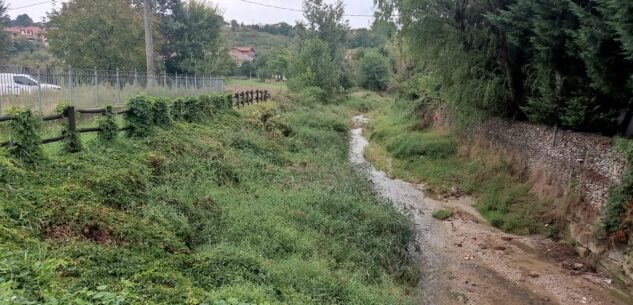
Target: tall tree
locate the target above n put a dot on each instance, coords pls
(193, 41)
(106, 34)
(23, 20)
(5, 40)
(325, 22)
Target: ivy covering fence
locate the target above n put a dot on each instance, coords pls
(141, 114)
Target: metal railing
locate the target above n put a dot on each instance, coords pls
(45, 88)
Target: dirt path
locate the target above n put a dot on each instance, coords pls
(466, 261)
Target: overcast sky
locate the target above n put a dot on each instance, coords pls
(233, 9)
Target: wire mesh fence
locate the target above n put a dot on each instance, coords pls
(44, 88)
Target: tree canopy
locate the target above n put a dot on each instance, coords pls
(193, 42)
(5, 41)
(23, 20)
(103, 34)
(566, 63)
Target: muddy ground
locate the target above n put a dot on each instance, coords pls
(466, 261)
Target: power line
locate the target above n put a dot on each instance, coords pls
(297, 10)
(30, 5)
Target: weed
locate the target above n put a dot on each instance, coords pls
(108, 128)
(24, 143)
(139, 117)
(216, 212)
(442, 214)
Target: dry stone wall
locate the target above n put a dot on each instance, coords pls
(586, 163)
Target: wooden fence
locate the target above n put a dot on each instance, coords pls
(240, 99)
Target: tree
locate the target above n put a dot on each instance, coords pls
(5, 40)
(567, 62)
(193, 41)
(313, 67)
(278, 63)
(106, 34)
(23, 20)
(374, 71)
(325, 22)
(320, 59)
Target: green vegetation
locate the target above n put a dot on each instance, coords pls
(107, 35)
(568, 63)
(5, 41)
(264, 43)
(375, 71)
(319, 70)
(616, 214)
(400, 146)
(442, 214)
(256, 206)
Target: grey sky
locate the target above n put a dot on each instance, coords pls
(233, 9)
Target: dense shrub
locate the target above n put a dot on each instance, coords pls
(140, 117)
(24, 142)
(108, 126)
(374, 71)
(160, 112)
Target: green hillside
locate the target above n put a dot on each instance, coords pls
(262, 42)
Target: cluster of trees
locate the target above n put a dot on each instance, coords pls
(109, 34)
(319, 66)
(281, 28)
(568, 62)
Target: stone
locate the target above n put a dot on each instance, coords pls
(583, 252)
(533, 274)
(500, 248)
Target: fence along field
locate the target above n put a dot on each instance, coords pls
(141, 115)
(44, 88)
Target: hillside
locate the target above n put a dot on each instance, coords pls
(262, 42)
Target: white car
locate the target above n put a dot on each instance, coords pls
(11, 83)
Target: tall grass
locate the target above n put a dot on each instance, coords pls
(447, 162)
(200, 213)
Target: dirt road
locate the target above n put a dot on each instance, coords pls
(466, 261)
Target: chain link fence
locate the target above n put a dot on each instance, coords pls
(45, 88)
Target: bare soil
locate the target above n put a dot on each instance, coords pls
(466, 261)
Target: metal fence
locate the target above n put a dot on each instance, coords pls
(45, 88)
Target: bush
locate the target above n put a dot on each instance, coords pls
(442, 214)
(24, 143)
(140, 117)
(160, 110)
(374, 71)
(178, 109)
(314, 67)
(109, 129)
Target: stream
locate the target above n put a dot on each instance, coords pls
(465, 261)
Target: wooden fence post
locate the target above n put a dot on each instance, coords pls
(72, 122)
(252, 95)
(237, 100)
(242, 98)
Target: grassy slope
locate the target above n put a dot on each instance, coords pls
(262, 42)
(435, 157)
(204, 212)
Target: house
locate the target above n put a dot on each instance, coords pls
(243, 54)
(31, 33)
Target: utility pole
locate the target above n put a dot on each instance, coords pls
(149, 47)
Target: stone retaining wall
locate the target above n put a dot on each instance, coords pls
(586, 163)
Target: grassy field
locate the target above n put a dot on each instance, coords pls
(257, 206)
(448, 163)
